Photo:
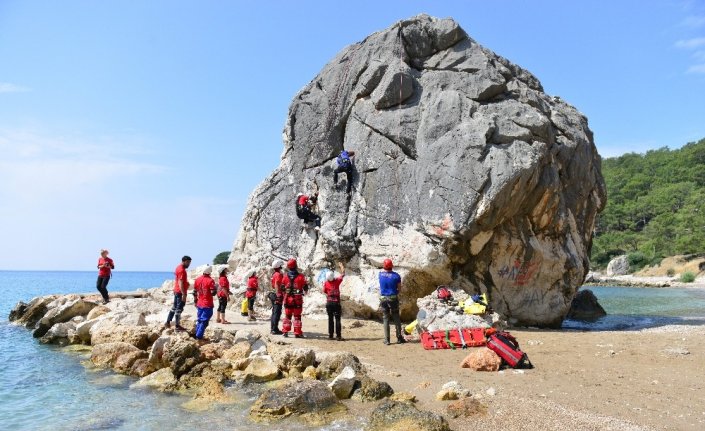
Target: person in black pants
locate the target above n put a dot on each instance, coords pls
(276, 296)
(332, 290)
(105, 268)
(345, 164)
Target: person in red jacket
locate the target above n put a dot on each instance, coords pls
(251, 293)
(105, 267)
(295, 287)
(276, 296)
(304, 209)
(332, 290)
(181, 286)
(204, 289)
(223, 295)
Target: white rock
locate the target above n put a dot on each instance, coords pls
(342, 386)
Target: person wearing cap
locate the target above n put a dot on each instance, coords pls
(251, 293)
(276, 296)
(204, 289)
(223, 295)
(181, 286)
(295, 287)
(389, 286)
(304, 209)
(331, 288)
(105, 268)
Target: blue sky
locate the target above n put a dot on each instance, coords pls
(143, 126)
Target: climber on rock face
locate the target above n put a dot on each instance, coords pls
(304, 205)
(295, 287)
(345, 164)
(389, 286)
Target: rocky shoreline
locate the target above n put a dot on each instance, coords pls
(598, 279)
(127, 336)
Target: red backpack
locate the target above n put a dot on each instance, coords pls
(443, 293)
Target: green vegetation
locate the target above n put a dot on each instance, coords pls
(221, 258)
(687, 277)
(655, 206)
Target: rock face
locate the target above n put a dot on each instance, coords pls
(585, 307)
(466, 173)
(618, 266)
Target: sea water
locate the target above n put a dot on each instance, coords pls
(633, 308)
(48, 388)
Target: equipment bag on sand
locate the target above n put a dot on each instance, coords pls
(244, 308)
(453, 339)
(506, 346)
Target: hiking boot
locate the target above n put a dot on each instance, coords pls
(401, 341)
(167, 325)
(299, 336)
(285, 334)
(387, 343)
(180, 328)
(340, 339)
(276, 332)
(330, 337)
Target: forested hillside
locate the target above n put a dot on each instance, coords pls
(655, 206)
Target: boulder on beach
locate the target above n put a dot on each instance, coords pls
(331, 364)
(107, 355)
(161, 380)
(62, 312)
(482, 359)
(344, 383)
(585, 307)
(369, 389)
(466, 173)
(402, 416)
(618, 266)
(311, 399)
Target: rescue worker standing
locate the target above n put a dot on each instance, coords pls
(276, 296)
(332, 290)
(105, 268)
(295, 287)
(251, 293)
(180, 290)
(389, 286)
(223, 295)
(204, 289)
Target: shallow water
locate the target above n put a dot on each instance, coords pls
(48, 388)
(632, 308)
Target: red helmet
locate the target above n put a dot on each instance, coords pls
(387, 264)
(291, 264)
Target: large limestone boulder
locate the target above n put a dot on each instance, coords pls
(105, 331)
(369, 389)
(298, 359)
(618, 266)
(108, 354)
(181, 354)
(310, 399)
(344, 383)
(466, 174)
(400, 416)
(333, 363)
(29, 314)
(161, 380)
(62, 313)
(261, 369)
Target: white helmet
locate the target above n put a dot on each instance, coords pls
(277, 263)
(330, 276)
(251, 272)
(299, 195)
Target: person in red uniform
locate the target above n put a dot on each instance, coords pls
(105, 268)
(304, 211)
(204, 289)
(332, 290)
(181, 286)
(295, 287)
(251, 293)
(276, 296)
(223, 295)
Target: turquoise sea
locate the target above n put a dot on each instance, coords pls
(46, 388)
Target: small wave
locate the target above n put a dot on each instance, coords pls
(617, 322)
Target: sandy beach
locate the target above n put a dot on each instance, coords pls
(648, 379)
